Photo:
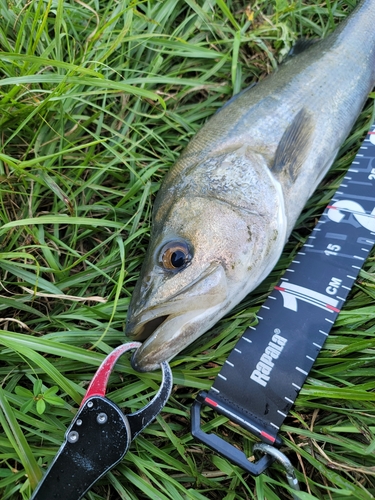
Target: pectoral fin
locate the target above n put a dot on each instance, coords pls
(294, 146)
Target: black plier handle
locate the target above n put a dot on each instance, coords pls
(99, 435)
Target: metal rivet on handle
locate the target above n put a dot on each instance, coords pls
(73, 437)
(102, 418)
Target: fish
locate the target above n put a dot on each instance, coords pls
(227, 207)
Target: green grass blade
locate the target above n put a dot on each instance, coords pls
(15, 435)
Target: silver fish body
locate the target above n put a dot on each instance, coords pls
(227, 207)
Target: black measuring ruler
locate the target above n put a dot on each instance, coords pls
(264, 373)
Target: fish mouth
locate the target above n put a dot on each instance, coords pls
(169, 327)
(170, 335)
(145, 330)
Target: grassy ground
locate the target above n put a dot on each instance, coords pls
(97, 100)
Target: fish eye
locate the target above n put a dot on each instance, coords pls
(175, 255)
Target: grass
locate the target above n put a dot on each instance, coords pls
(97, 100)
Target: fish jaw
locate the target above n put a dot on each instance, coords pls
(173, 335)
(171, 326)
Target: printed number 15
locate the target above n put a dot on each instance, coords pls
(332, 249)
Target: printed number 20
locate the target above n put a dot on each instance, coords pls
(366, 220)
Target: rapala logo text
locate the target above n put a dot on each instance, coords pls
(261, 374)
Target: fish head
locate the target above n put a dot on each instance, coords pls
(196, 268)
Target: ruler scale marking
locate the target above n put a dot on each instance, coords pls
(298, 316)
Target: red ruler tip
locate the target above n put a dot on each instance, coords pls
(211, 402)
(268, 436)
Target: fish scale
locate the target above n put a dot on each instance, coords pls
(264, 373)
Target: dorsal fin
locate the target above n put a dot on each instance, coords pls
(294, 146)
(300, 46)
